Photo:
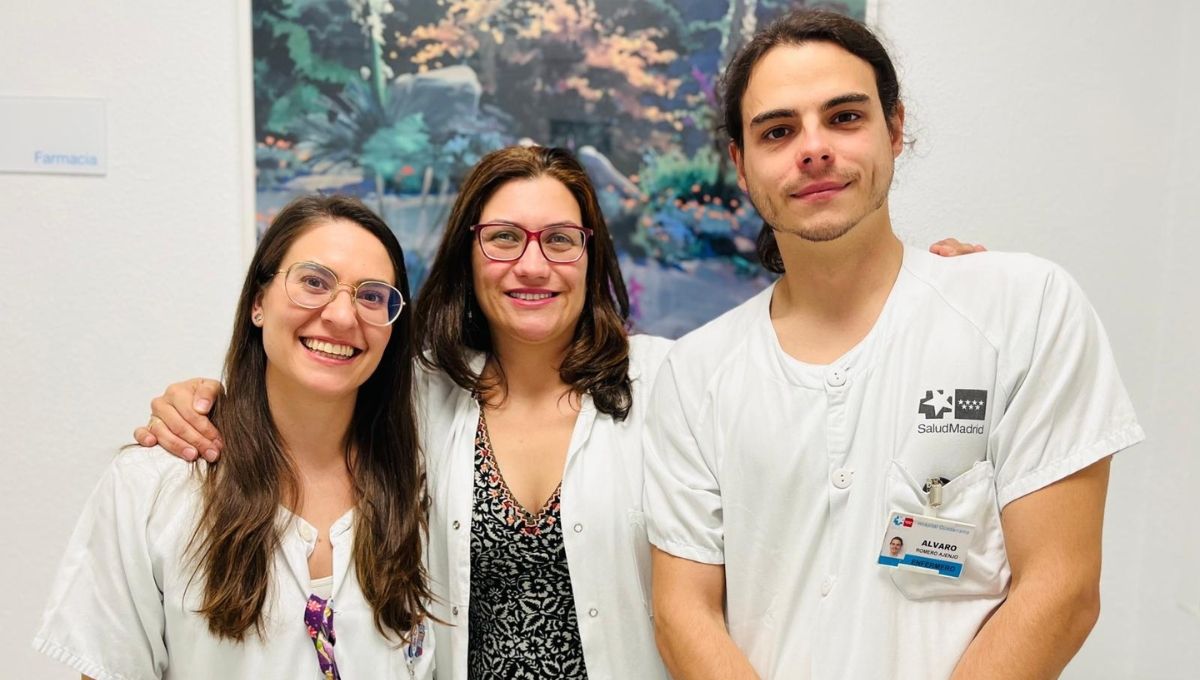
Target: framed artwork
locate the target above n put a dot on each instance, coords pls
(395, 100)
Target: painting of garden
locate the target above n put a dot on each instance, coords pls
(394, 100)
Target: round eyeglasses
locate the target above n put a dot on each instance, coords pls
(507, 241)
(312, 286)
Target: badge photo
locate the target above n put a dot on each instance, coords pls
(926, 544)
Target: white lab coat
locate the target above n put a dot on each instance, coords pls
(124, 604)
(603, 528)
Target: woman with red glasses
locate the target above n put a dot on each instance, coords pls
(534, 406)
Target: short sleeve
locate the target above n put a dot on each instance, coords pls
(1066, 407)
(682, 501)
(105, 615)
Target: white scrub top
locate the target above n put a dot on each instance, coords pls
(121, 607)
(603, 530)
(991, 371)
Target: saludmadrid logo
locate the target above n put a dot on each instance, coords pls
(964, 404)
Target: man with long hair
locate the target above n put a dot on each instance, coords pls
(974, 398)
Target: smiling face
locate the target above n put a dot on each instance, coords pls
(818, 152)
(895, 546)
(330, 351)
(530, 300)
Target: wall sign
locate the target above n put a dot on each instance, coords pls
(53, 135)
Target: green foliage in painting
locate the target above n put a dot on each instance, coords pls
(298, 48)
(295, 105)
(675, 175)
(393, 152)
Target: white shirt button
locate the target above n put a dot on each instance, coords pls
(842, 477)
(836, 377)
(455, 525)
(827, 586)
(578, 528)
(593, 612)
(307, 532)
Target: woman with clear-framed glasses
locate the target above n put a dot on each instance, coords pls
(301, 553)
(532, 399)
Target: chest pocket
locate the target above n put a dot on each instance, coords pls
(970, 497)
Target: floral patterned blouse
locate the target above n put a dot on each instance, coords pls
(522, 614)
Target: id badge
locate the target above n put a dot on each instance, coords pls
(926, 544)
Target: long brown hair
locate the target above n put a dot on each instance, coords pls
(238, 532)
(449, 317)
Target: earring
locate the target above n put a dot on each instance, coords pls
(258, 318)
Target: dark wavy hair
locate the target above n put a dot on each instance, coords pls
(237, 534)
(797, 28)
(453, 325)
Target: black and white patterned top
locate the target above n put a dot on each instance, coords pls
(522, 614)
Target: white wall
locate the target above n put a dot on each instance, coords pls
(1063, 128)
(1068, 129)
(122, 282)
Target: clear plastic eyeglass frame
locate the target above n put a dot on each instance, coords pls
(393, 304)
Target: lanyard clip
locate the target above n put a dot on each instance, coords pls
(933, 490)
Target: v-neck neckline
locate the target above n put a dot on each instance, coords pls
(529, 518)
